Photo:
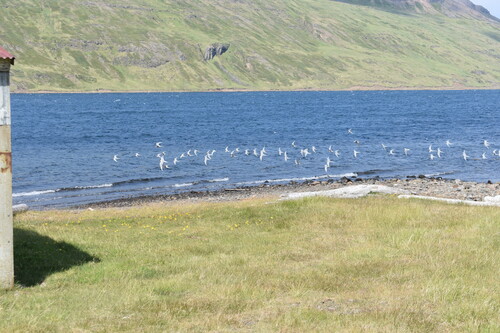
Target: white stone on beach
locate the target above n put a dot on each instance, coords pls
(491, 201)
(19, 208)
(495, 199)
(354, 191)
(357, 191)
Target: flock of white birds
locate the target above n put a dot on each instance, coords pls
(301, 153)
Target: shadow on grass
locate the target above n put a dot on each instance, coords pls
(37, 256)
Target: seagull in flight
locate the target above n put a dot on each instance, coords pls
(116, 158)
(407, 150)
(448, 143)
(285, 155)
(384, 146)
(137, 155)
(163, 163)
(465, 156)
(486, 143)
(355, 153)
(158, 144)
(337, 153)
(350, 131)
(262, 153)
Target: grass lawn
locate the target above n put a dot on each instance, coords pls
(375, 264)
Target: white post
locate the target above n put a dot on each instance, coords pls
(6, 225)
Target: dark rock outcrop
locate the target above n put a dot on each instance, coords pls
(215, 49)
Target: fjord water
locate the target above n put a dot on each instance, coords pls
(63, 144)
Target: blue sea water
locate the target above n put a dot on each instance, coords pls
(64, 144)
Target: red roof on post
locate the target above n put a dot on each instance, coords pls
(6, 55)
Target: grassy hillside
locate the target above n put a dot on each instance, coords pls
(278, 44)
(375, 264)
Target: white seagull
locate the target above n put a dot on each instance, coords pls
(355, 153)
(406, 150)
(465, 156)
(158, 144)
(116, 158)
(448, 143)
(163, 163)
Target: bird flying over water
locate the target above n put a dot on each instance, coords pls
(465, 156)
(158, 144)
(163, 163)
(115, 158)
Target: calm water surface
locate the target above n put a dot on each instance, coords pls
(64, 144)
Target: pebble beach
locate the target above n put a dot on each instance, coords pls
(421, 186)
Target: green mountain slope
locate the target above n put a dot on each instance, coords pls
(80, 45)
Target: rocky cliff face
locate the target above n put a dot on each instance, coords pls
(213, 50)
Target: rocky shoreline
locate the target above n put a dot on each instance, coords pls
(421, 185)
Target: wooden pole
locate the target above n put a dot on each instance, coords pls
(6, 224)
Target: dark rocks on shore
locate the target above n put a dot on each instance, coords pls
(436, 187)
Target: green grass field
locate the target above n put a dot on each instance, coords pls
(377, 264)
(158, 45)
